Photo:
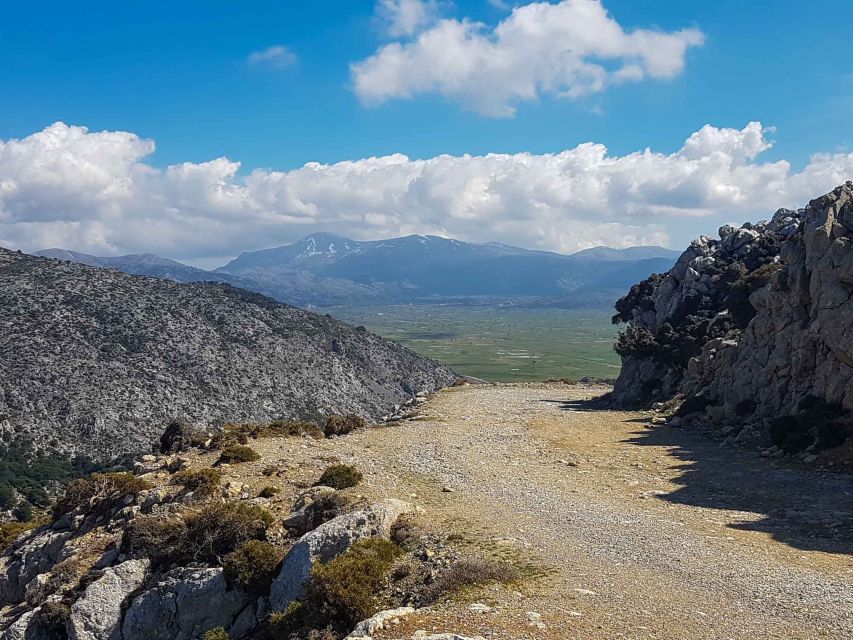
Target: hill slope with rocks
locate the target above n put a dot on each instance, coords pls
(95, 362)
(752, 330)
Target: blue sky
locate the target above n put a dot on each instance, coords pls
(180, 74)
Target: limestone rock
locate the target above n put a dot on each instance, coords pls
(97, 613)
(367, 628)
(183, 605)
(328, 541)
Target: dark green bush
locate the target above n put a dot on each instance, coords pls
(202, 482)
(349, 583)
(341, 425)
(340, 476)
(636, 342)
(99, 493)
(816, 423)
(238, 453)
(253, 566)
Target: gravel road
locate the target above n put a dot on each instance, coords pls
(646, 531)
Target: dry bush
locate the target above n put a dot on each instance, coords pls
(217, 633)
(269, 491)
(238, 453)
(50, 620)
(341, 425)
(99, 493)
(202, 482)
(340, 476)
(349, 583)
(160, 538)
(218, 529)
(469, 573)
(240, 433)
(253, 566)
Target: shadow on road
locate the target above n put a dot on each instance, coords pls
(802, 507)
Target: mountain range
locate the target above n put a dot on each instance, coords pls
(324, 270)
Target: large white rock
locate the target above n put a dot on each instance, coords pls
(328, 541)
(366, 628)
(97, 613)
(183, 605)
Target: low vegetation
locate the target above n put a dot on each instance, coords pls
(342, 425)
(269, 491)
(238, 453)
(201, 535)
(253, 566)
(349, 583)
(217, 633)
(817, 424)
(340, 476)
(204, 483)
(99, 493)
(470, 573)
(50, 620)
(233, 434)
(11, 531)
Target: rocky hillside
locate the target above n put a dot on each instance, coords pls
(96, 362)
(753, 329)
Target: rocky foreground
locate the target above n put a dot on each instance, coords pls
(96, 362)
(522, 512)
(751, 332)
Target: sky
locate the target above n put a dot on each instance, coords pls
(197, 130)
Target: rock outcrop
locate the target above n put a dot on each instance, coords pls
(97, 614)
(96, 362)
(753, 329)
(183, 605)
(328, 541)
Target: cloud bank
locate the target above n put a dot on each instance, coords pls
(93, 191)
(569, 49)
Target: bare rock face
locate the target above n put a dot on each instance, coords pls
(328, 541)
(754, 328)
(97, 614)
(97, 362)
(183, 605)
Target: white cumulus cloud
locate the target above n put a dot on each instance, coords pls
(569, 49)
(93, 191)
(405, 17)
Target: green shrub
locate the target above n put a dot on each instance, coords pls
(469, 573)
(202, 482)
(238, 453)
(160, 538)
(269, 491)
(340, 476)
(252, 567)
(341, 425)
(349, 583)
(326, 507)
(217, 633)
(218, 529)
(99, 493)
(635, 341)
(280, 624)
(201, 535)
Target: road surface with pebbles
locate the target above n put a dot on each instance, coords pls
(642, 531)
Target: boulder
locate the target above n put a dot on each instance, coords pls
(97, 613)
(366, 628)
(29, 556)
(184, 604)
(328, 541)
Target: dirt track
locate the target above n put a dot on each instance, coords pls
(646, 531)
